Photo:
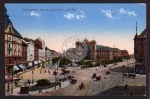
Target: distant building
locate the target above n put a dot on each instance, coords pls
(42, 50)
(100, 52)
(30, 49)
(104, 53)
(47, 53)
(140, 49)
(37, 46)
(124, 53)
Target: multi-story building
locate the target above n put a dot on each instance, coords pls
(100, 52)
(47, 53)
(140, 49)
(13, 44)
(30, 51)
(42, 50)
(124, 53)
(104, 53)
(24, 51)
(37, 46)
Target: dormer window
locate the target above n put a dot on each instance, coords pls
(10, 29)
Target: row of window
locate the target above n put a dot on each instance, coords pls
(16, 53)
(101, 53)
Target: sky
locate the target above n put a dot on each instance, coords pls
(108, 23)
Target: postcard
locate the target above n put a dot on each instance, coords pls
(75, 49)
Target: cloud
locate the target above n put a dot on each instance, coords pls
(117, 14)
(130, 13)
(122, 11)
(69, 16)
(78, 15)
(108, 13)
(32, 13)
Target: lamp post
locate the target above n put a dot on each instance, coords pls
(32, 77)
(12, 81)
(55, 73)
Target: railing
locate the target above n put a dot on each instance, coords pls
(138, 63)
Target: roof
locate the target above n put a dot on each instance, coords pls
(24, 42)
(143, 34)
(46, 48)
(7, 22)
(101, 47)
(114, 49)
(123, 50)
(39, 39)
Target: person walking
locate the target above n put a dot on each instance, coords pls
(29, 82)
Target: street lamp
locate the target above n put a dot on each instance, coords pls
(12, 82)
(55, 73)
(32, 77)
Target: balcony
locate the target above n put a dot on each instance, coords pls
(9, 49)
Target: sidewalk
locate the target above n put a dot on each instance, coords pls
(17, 90)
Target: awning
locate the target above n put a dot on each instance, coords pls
(35, 62)
(30, 64)
(15, 68)
(22, 66)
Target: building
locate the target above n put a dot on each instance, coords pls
(30, 51)
(47, 53)
(13, 44)
(140, 49)
(24, 51)
(41, 55)
(37, 46)
(124, 53)
(104, 53)
(100, 52)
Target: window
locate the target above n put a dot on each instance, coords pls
(9, 45)
(9, 53)
(9, 38)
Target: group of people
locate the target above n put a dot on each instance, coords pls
(45, 71)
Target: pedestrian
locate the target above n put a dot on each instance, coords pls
(29, 82)
(45, 71)
(48, 71)
(126, 86)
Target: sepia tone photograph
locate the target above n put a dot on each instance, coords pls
(80, 49)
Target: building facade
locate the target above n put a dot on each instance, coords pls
(24, 51)
(37, 46)
(140, 52)
(100, 52)
(13, 43)
(47, 53)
